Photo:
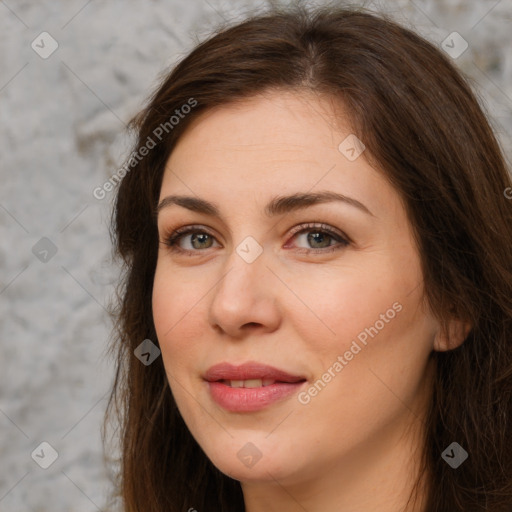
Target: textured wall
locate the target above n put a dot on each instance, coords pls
(62, 117)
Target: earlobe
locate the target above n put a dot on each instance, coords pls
(458, 331)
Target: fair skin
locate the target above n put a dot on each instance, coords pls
(355, 445)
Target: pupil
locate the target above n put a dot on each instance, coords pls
(198, 235)
(315, 236)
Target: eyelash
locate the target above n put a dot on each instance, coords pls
(171, 240)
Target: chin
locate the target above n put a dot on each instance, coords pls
(247, 461)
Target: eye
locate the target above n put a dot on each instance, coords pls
(200, 239)
(318, 235)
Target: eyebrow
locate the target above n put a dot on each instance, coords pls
(279, 205)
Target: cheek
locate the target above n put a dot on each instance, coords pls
(372, 384)
(370, 322)
(386, 352)
(176, 315)
(337, 306)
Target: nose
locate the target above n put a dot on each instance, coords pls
(245, 298)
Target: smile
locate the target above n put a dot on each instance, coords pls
(251, 386)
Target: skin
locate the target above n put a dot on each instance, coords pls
(355, 446)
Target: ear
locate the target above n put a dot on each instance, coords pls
(458, 331)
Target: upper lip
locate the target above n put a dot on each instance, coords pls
(249, 370)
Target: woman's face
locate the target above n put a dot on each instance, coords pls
(329, 292)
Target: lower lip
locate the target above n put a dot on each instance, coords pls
(251, 399)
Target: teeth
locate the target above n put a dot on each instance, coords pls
(253, 383)
(249, 383)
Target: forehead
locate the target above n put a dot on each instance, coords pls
(280, 142)
(277, 122)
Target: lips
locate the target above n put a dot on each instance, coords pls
(250, 371)
(251, 386)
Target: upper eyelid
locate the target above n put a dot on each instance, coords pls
(304, 225)
(186, 230)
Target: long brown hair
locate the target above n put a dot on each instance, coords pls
(423, 127)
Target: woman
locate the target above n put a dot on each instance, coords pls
(316, 237)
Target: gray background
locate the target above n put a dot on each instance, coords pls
(62, 121)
